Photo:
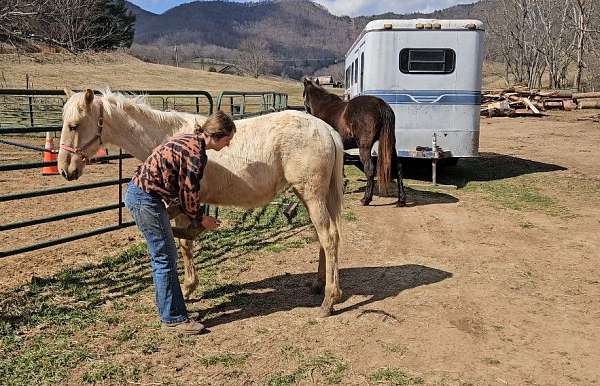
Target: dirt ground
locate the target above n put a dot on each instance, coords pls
(493, 283)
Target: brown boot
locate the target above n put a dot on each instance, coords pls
(187, 327)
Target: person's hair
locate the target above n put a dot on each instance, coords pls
(217, 125)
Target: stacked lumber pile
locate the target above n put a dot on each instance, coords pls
(520, 102)
(593, 118)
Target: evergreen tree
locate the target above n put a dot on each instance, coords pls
(118, 21)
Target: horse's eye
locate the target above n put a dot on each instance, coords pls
(73, 127)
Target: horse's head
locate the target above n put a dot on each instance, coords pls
(307, 94)
(81, 133)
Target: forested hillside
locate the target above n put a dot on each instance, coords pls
(299, 36)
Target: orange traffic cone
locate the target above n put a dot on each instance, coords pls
(49, 156)
(102, 152)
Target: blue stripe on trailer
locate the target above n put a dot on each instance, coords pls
(437, 97)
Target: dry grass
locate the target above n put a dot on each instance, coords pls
(121, 71)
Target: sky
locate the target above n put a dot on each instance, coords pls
(337, 7)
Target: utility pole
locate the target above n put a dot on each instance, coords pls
(176, 58)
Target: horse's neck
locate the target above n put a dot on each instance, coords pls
(329, 107)
(139, 132)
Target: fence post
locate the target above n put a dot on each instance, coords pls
(120, 187)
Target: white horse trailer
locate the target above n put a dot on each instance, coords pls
(429, 72)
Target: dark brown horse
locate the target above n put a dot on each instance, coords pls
(361, 121)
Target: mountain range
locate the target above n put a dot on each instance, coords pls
(292, 29)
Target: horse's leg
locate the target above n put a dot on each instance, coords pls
(399, 183)
(369, 169)
(329, 239)
(190, 279)
(318, 284)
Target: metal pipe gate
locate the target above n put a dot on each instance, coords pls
(30, 112)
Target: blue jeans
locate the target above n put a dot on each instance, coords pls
(150, 215)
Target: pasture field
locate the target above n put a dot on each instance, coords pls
(124, 72)
(493, 283)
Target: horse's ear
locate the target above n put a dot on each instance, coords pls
(306, 81)
(317, 81)
(89, 97)
(68, 92)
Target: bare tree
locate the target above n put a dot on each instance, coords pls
(518, 41)
(254, 57)
(556, 44)
(544, 37)
(584, 13)
(16, 17)
(77, 25)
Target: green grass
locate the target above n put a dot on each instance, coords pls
(125, 334)
(520, 194)
(48, 326)
(323, 369)
(395, 348)
(350, 216)
(40, 361)
(225, 360)
(102, 372)
(393, 376)
(331, 368)
(281, 379)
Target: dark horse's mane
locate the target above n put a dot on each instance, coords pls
(328, 97)
(361, 122)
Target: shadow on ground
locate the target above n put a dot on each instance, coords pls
(289, 291)
(414, 197)
(488, 167)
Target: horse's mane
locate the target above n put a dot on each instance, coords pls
(122, 101)
(137, 103)
(325, 95)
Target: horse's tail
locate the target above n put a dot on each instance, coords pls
(387, 146)
(335, 195)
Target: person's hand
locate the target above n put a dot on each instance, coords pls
(210, 223)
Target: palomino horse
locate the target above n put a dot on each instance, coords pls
(361, 121)
(268, 154)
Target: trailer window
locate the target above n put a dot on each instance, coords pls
(362, 70)
(355, 70)
(347, 80)
(427, 60)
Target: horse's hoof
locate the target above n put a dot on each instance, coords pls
(187, 293)
(401, 204)
(365, 202)
(325, 311)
